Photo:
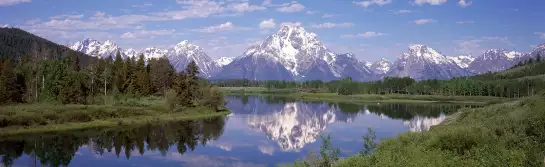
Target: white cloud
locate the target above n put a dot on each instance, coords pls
(423, 21)
(245, 7)
(540, 34)
(146, 33)
(401, 11)
(463, 3)
(311, 12)
(291, 23)
(67, 16)
(333, 25)
(475, 46)
(12, 2)
(367, 34)
(267, 24)
(227, 26)
(327, 15)
(465, 22)
(431, 2)
(372, 2)
(293, 7)
(142, 5)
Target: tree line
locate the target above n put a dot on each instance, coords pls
(525, 80)
(66, 80)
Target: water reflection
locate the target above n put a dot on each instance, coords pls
(294, 124)
(262, 131)
(59, 149)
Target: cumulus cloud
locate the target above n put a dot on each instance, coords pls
(146, 34)
(373, 2)
(464, 3)
(245, 7)
(333, 25)
(401, 11)
(267, 24)
(227, 26)
(367, 34)
(12, 2)
(423, 21)
(465, 22)
(431, 2)
(291, 8)
(540, 34)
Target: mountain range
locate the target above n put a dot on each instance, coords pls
(292, 53)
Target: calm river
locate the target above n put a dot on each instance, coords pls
(262, 131)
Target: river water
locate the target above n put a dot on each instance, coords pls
(262, 131)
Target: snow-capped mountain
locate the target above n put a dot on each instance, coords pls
(95, 48)
(179, 56)
(222, 61)
(184, 52)
(494, 60)
(153, 52)
(381, 66)
(346, 65)
(422, 62)
(290, 54)
(462, 61)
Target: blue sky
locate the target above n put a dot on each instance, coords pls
(371, 29)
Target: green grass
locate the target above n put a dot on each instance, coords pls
(32, 118)
(508, 134)
(364, 98)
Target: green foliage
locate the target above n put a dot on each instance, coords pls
(500, 135)
(369, 144)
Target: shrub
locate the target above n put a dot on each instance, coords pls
(171, 100)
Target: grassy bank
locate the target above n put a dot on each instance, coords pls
(33, 118)
(364, 98)
(509, 134)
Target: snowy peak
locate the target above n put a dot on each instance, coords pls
(222, 61)
(427, 53)
(184, 52)
(462, 61)
(153, 52)
(300, 52)
(95, 48)
(381, 66)
(493, 54)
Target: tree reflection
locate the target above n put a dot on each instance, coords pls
(59, 149)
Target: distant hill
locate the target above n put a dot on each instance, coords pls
(15, 43)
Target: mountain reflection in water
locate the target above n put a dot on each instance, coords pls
(261, 131)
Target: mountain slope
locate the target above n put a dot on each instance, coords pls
(422, 62)
(462, 61)
(298, 52)
(184, 52)
(346, 65)
(223, 61)
(494, 60)
(381, 66)
(15, 42)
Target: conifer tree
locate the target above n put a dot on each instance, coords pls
(119, 78)
(8, 79)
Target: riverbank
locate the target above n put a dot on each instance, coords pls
(508, 134)
(38, 118)
(364, 98)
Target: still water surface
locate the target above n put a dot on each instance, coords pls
(262, 131)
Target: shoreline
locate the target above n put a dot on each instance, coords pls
(366, 98)
(104, 123)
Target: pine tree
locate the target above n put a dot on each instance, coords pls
(538, 58)
(8, 80)
(192, 82)
(119, 78)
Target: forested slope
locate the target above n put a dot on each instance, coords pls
(15, 43)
